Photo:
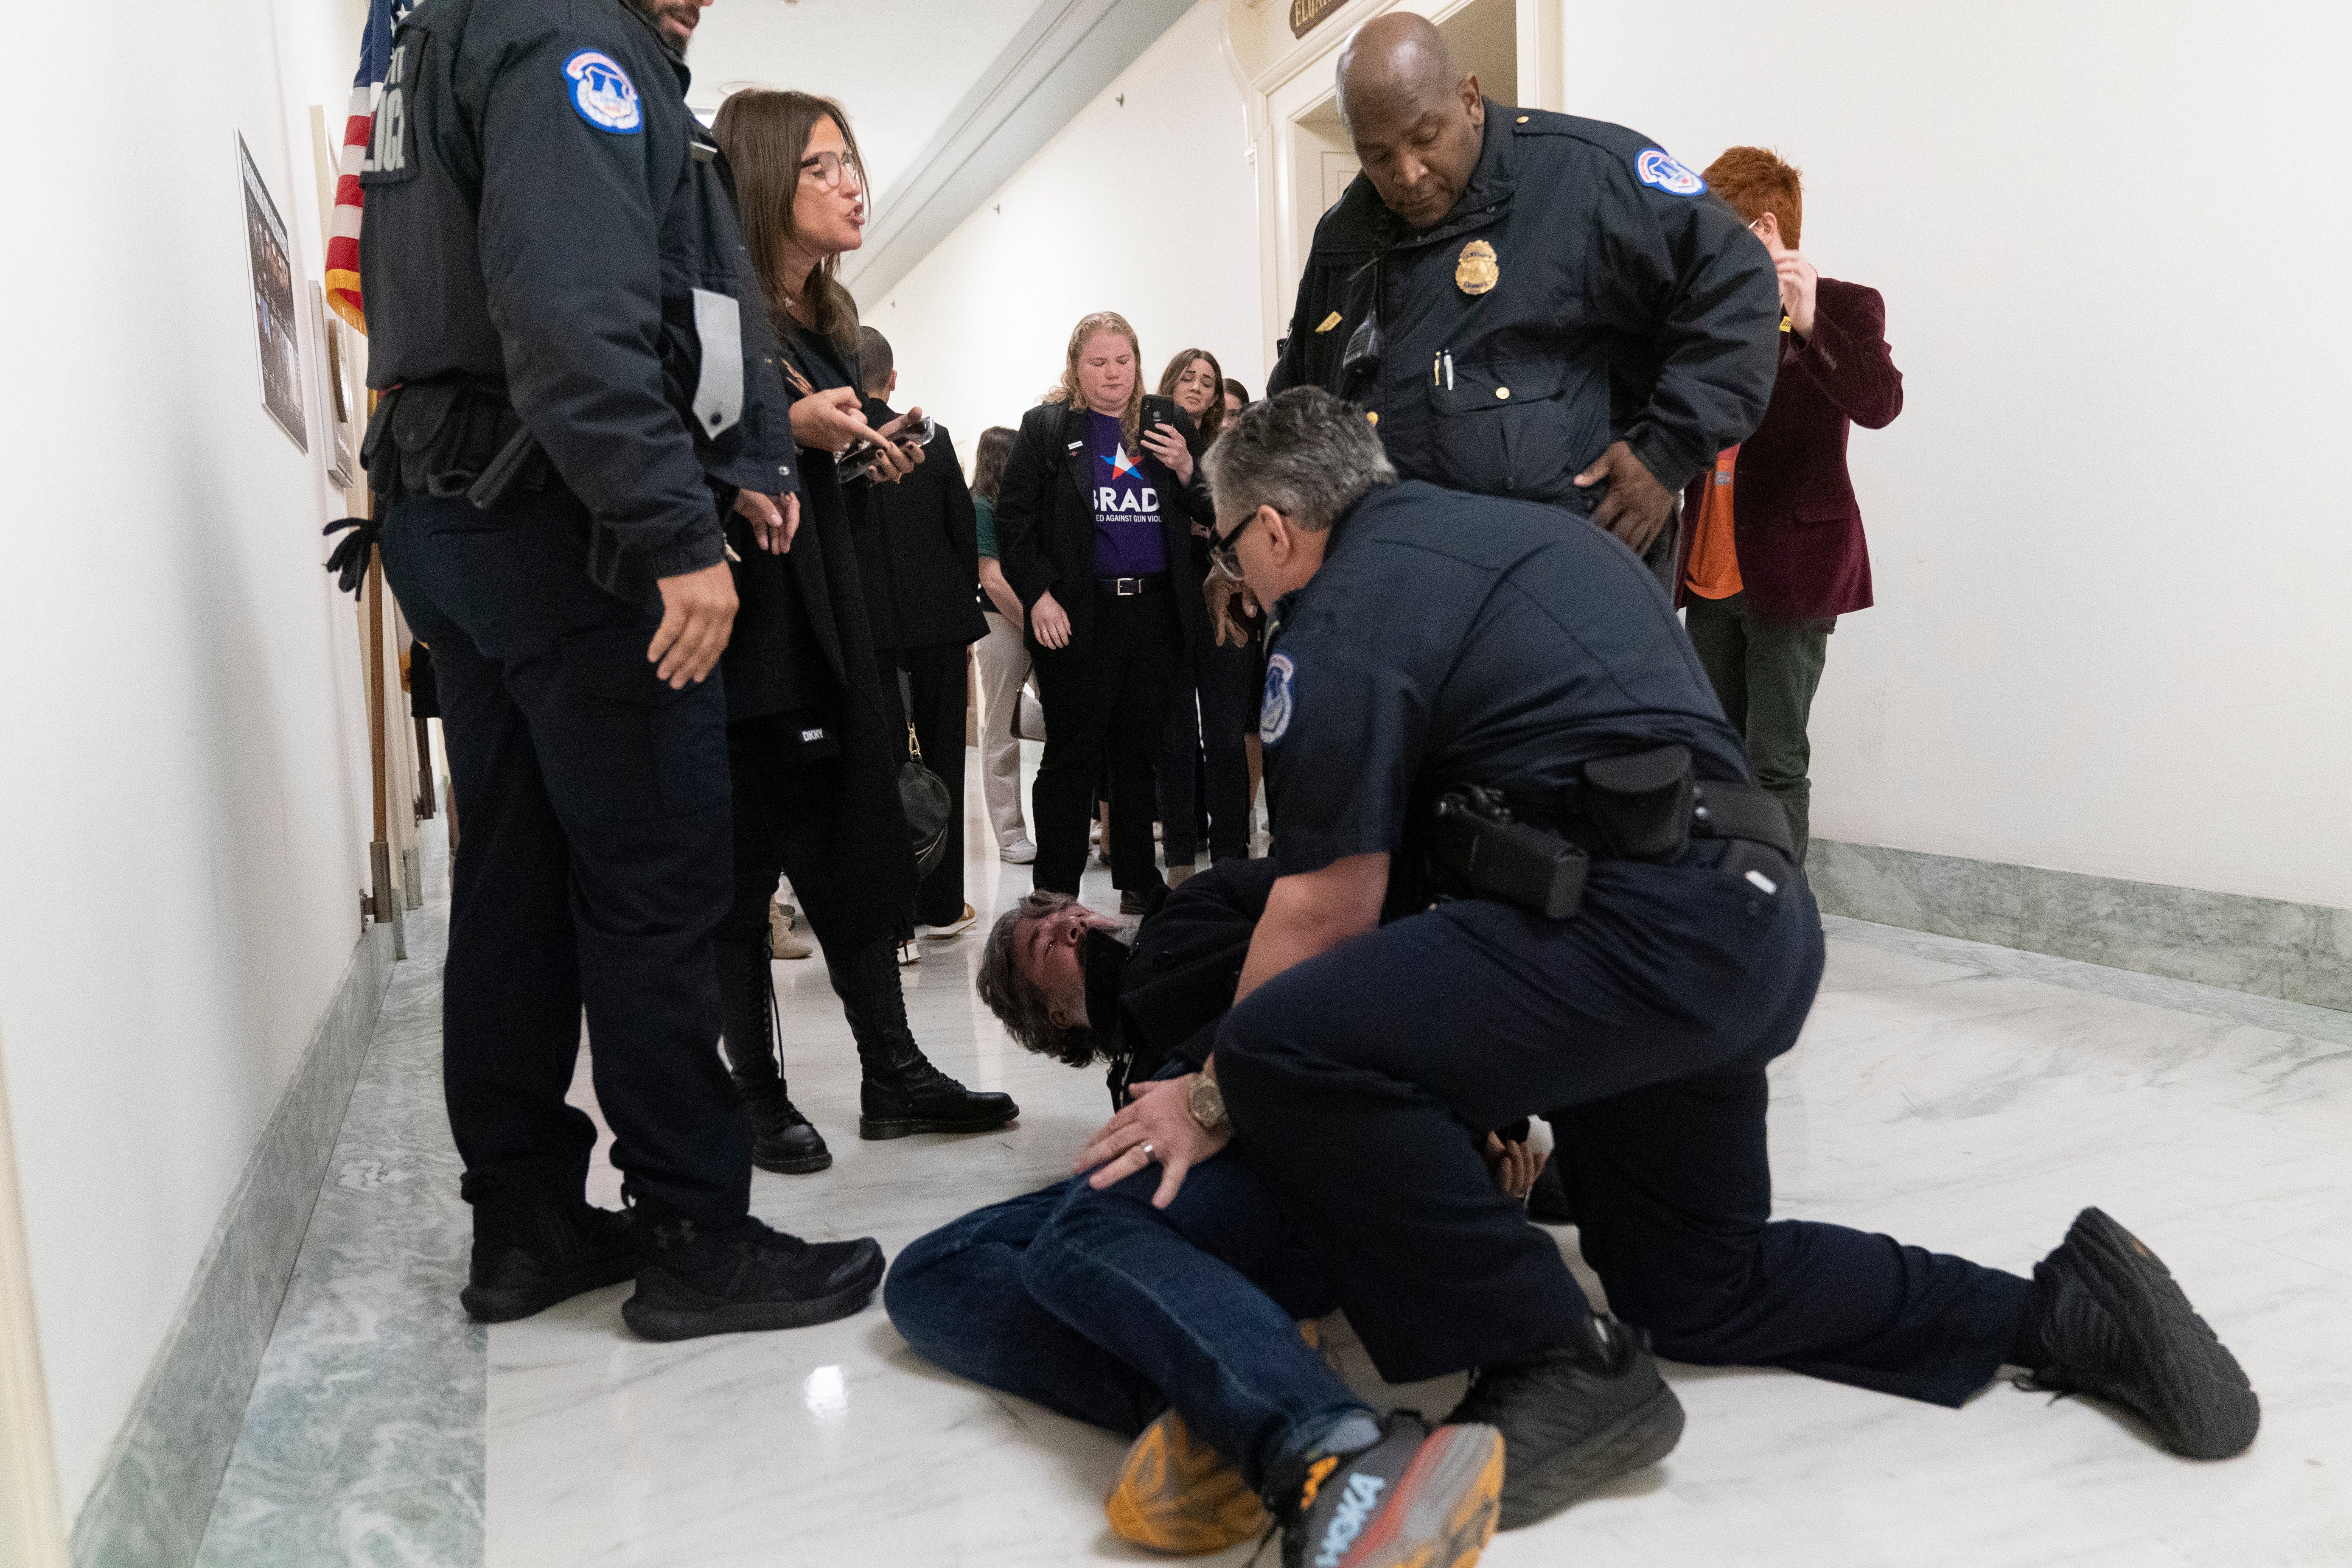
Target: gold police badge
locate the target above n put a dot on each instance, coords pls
(1477, 271)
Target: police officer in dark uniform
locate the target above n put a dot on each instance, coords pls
(1619, 933)
(578, 379)
(1528, 304)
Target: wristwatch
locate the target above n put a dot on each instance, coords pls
(1207, 1103)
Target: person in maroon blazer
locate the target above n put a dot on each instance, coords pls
(1772, 550)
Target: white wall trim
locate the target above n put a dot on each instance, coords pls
(1061, 57)
(32, 1518)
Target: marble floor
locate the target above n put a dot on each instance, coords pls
(1966, 1097)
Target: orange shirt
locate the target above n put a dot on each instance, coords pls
(1714, 570)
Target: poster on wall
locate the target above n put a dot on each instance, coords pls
(339, 440)
(271, 257)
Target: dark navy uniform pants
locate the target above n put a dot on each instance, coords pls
(1642, 1029)
(593, 863)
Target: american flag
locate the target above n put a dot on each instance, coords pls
(343, 238)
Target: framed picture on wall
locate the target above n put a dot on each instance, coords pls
(341, 444)
(279, 341)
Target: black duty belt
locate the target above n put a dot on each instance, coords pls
(1128, 587)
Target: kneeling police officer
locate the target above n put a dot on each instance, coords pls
(1591, 916)
(578, 375)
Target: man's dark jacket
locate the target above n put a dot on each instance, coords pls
(1612, 306)
(1045, 523)
(1187, 963)
(1802, 556)
(574, 253)
(919, 552)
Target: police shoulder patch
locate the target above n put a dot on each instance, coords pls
(1653, 167)
(602, 94)
(1274, 717)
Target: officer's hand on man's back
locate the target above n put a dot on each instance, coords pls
(697, 615)
(1636, 505)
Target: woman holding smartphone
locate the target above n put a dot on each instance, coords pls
(1096, 533)
(1202, 763)
(813, 759)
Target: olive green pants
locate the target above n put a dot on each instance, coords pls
(1765, 674)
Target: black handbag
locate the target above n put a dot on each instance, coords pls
(924, 797)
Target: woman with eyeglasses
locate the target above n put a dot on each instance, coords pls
(1095, 531)
(1202, 762)
(812, 754)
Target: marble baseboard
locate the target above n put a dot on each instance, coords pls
(155, 1490)
(2299, 952)
(363, 1439)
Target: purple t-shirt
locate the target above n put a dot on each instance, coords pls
(1127, 505)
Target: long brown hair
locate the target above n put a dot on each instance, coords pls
(988, 462)
(1130, 420)
(1212, 418)
(765, 134)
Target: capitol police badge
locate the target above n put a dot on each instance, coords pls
(1274, 717)
(602, 93)
(1653, 167)
(1477, 270)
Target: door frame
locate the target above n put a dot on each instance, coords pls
(31, 1520)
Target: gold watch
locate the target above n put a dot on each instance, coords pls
(1206, 1102)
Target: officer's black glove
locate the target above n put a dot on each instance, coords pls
(350, 560)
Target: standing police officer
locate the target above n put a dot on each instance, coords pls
(1528, 304)
(1631, 942)
(578, 373)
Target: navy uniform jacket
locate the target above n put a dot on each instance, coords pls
(1617, 299)
(1452, 639)
(545, 218)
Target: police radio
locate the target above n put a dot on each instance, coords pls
(1480, 851)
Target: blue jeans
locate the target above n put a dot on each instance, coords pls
(1105, 1309)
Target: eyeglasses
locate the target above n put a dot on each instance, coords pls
(832, 168)
(1221, 548)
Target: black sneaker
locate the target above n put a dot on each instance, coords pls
(530, 1256)
(1416, 1497)
(2108, 1320)
(744, 1280)
(1572, 1416)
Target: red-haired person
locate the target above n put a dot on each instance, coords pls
(1774, 551)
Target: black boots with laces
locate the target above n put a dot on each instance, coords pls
(902, 1092)
(2107, 1320)
(782, 1138)
(1574, 1415)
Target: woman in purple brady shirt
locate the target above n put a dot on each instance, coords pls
(1094, 532)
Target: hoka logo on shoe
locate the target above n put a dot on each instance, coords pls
(1356, 1505)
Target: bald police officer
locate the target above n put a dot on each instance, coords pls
(1618, 932)
(578, 375)
(1528, 304)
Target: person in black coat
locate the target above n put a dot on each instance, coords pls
(919, 556)
(1094, 526)
(812, 748)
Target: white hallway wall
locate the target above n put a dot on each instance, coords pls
(2109, 531)
(1147, 208)
(183, 754)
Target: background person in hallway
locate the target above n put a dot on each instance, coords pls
(1203, 767)
(575, 623)
(811, 744)
(1528, 304)
(1094, 531)
(1002, 657)
(920, 558)
(1773, 552)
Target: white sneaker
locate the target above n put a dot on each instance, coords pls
(910, 952)
(1020, 852)
(956, 927)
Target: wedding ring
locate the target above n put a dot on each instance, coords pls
(1148, 1156)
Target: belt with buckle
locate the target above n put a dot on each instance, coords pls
(1128, 587)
